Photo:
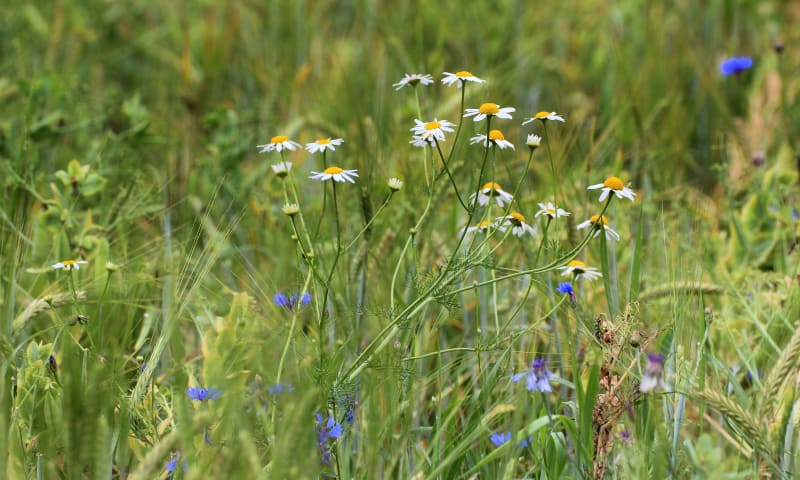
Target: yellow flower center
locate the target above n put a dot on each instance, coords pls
(496, 135)
(489, 109)
(577, 266)
(332, 170)
(432, 125)
(541, 115)
(69, 263)
(324, 141)
(593, 219)
(614, 183)
(484, 224)
(491, 186)
(279, 139)
(550, 211)
(516, 218)
(464, 74)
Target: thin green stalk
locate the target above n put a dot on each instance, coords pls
(324, 198)
(450, 175)
(385, 202)
(552, 167)
(335, 258)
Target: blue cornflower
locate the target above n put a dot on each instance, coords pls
(202, 394)
(331, 429)
(794, 215)
(500, 438)
(537, 378)
(172, 465)
(652, 373)
(282, 300)
(279, 388)
(566, 289)
(735, 65)
(326, 431)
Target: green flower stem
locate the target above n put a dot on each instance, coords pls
(397, 269)
(461, 120)
(358, 235)
(552, 166)
(289, 337)
(450, 175)
(324, 198)
(300, 213)
(440, 352)
(335, 260)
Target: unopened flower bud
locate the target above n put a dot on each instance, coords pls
(533, 141)
(291, 209)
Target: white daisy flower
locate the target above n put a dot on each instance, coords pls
(395, 184)
(545, 116)
(69, 264)
(615, 185)
(481, 227)
(335, 173)
(533, 141)
(278, 144)
(495, 137)
(551, 211)
(489, 110)
(436, 128)
(323, 144)
(492, 190)
(517, 223)
(599, 223)
(580, 270)
(424, 140)
(413, 79)
(282, 169)
(460, 78)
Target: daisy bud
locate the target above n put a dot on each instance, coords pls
(395, 184)
(291, 209)
(533, 141)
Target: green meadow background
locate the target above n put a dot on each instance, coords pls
(128, 139)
